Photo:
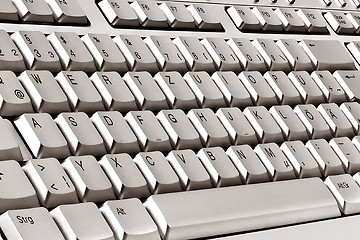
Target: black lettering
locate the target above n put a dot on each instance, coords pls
(115, 160)
(80, 164)
(149, 160)
(35, 123)
(106, 79)
(37, 78)
(201, 117)
(211, 155)
(108, 120)
(140, 119)
(172, 118)
(72, 121)
(181, 157)
(71, 79)
(269, 152)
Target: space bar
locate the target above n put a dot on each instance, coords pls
(210, 212)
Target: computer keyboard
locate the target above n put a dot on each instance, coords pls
(179, 120)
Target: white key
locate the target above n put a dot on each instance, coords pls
(13, 98)
(325, 156)
(354, 48)
(115, 93)
(289, 122)
(81, 93)
(158, 172)
(346, 192)
(205, 16)
(190, 170)
(145, 90)
(126, 179)
(250, 58)
(321, 57)
(119, 13)
(196, 56)
(81, 134)
(329, 86)
(339, 22)
(27, 224)
(166, 53)
(336, 119)
(233, 90)
(313, 121)
(259, 90)
(45, 93)
(219, 166)
(177, 15)
(238, 127)
(149, 131)
(8, 12)
(106, 54)
(274, 58)
(354, 19)
(264, 124)
(303, 162)
(52, 184)
(42, 135)
(16, 190)
(9, 147)
(34, 11)
(149, 13)
(285, 91)
(248, 164)
(73, 220)
(224, 58)
(181, 132)
(268, 20)
(10, 57)
(177, 92)
(313, 20)
(89, 179)
(298, 59)
(72, 52)
(242, 206)
(207, 93)
(117, 134)
(37, 51)
(243, 18)
(309, 91)
(137, 54)
(275, 161)
(212, 132)
(349, 81)
(68, 11)
(348, 154)
(352, 112)
(129, 219)
(290, 20)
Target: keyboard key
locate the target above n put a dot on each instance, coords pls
(10, 57)
(149, 131)
(126, 178)
(137, 54)
(147, 93)
(354, 48)
(9, 147)
(291, 21)
(303, 162)
(119, 13)
(212, 132)
(268, 20)
(106, 54)
(129, 220)
(348, 154)
(69, 12)
(116, 132)
(313, 20)
(34, 11)
(42, 135)
(329, 86)
(115, 93)
(27, 224)
(37, 51)
(219, 166)
(89, 179)
(72, 52)
(205, 16)
(177, 15)
(52, 184)
(264, 124)
(190, 170)
(352, 112)
(325, 156)
(339, 22)
(16, 190)
(81, 134)
(8, 12)
(158, 172)
(181, 132)
(348, 80)
(354, 19)
(322, 58)
(314, 201)
(205, 90)
(243, 18)
(81, 93)
(73, 220)
(149, 14)
(45, 93)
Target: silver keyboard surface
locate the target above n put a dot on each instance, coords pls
(147, 119)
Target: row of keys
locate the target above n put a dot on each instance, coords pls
(32, 50)
(40, 91)
(149, 14)
(43, 11)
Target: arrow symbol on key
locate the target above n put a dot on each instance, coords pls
(350, 76)
(53, 187)
(311, 45)
(41, 167)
